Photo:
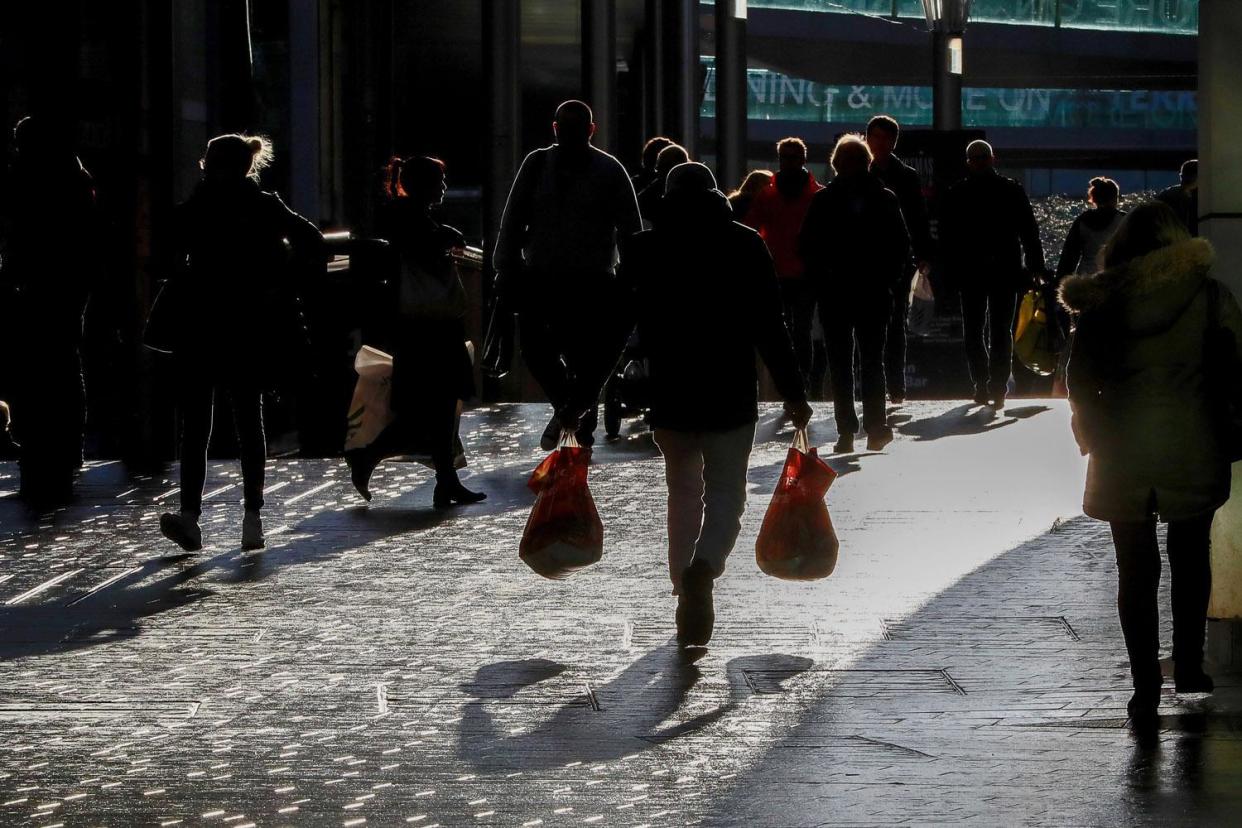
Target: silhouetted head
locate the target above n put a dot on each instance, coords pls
(791, 153)
(1103, 192)
(851, 156)
(1145, 229)
(651, 150)
(574, 125)
(420, 178)
(235, 157)
(690, 177)
(1190, 174)
(754, 181)
(37, 136)
(882, 134)
(670, 157)
(979, 157)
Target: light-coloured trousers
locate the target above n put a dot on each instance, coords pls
(706, 476)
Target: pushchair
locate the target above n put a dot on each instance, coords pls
(626, 394)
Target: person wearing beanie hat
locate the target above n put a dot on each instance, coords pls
(702, 291)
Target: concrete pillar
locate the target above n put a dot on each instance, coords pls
(683, 80)
(730, 93)
(599, 68)
(1220, 221)
(653, 70)
(502, 39)
(305, 107)
(946, 81)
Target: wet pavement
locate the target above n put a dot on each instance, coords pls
(386, 664)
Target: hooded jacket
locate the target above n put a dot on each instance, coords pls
(702, 290)
(1144, 392)
(1085, 239)
(778, 218)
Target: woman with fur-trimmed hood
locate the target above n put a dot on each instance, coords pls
(1155, 353)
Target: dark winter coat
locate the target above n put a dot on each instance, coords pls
(988, 231)
(1185, 204)
(1143, 390)
(1085, 239)
(231, 248)
(703, 293)
(905, 184)
(778, 214)
(854, 240)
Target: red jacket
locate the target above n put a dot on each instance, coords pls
(779, 220)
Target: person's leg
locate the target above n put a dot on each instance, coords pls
(683, 474)
(871, 335)
(1003, 306)
(247, 403)
(196, 397)
(895, 341)
(974, 318)
(726, 457)
(1138, 582)
(541, 351)
(1190, 574)
(839, 342)
(798, 305)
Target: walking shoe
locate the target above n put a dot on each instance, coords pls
(455, 494)
(551, 435)
(252, 531)
(696, 615)
(844, 445)
(897, 399)
(361, 466)
(981, 398)
(878, 438)
(998, 403)
(1192, 680)
(1143, 705)
(183, 530)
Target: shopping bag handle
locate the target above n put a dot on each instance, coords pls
(802, 440)
(568, 439)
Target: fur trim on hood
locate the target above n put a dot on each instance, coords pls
(1148, 291)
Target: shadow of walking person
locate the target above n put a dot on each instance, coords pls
(962, 421)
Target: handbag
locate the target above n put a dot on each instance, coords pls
(1224, 375)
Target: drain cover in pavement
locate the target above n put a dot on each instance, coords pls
(976, 630)
(131, 709)
(860, 683)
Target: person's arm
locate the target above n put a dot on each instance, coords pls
(1082, 382)
(1071, 251)
(304, 237)
(914, 213)
(1028, 229)
(771, 336)
(898, 235)
(626, 215)
(517, 215)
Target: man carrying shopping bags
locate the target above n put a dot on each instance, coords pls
(702, 290)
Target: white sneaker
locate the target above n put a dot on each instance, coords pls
(252, 530)
(183, 530)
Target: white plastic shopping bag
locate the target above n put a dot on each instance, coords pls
(370, 411)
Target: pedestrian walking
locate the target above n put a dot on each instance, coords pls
(647, 170)
(991, 245)
(741, 198)
(556, 253)
(1091, 230)
(882, 134)
(777, 212)
(856, 249)
(229, 247)
(52, 246)
(702, 291)
(1154, 362)
(650, 197)
(1183, 197)
(426, 334)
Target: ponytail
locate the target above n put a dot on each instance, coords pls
(392, 178)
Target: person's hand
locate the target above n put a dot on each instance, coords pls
(799, 413)
(924, 267)
(569, 417)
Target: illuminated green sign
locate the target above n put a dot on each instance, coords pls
(777, 97)
(1167, 16)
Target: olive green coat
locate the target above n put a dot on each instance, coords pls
(1142, 389)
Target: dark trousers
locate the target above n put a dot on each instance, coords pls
(198, 397)
(895, 343)
(49, 414)
(990, 360)
(570, 345)
(850, 322)
(798, 304)
(1138, 570)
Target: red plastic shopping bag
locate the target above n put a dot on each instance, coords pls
(563, 533)
(797, 541)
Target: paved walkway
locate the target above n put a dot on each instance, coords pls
(390, 665)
